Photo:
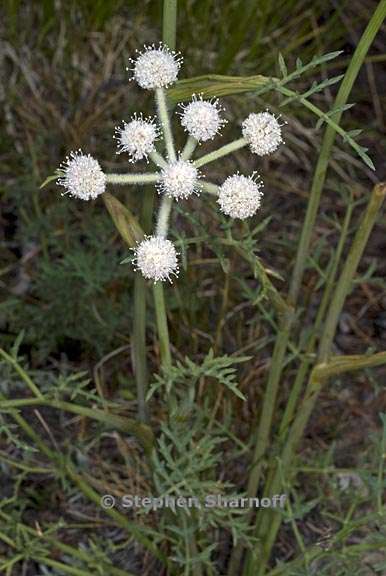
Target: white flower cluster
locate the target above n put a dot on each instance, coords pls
(262, 132)
(201, 118)
(240, 196)
(137, 137)
(156, 258)
(155, 68)
(82, 176)
(179, 179)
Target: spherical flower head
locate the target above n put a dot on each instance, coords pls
(156, 67)
(179, 179)
(262, 131)
(201, 119)
(137, 137)
(82, 176)
(156, 258)
(240, 196)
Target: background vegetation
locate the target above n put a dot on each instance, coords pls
(67, 304)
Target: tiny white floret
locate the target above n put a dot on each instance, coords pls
(156, 259)
(201, 118)
(156, 67)
(82, 176)
(262, 131)
(179, 179)
(240, 196)
(137, 137)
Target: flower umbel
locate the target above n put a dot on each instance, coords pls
(156, 67)
(201, 119)
(82, 176)
(156, 258)
(179, 179)
(240, 196)
(137, 137)
(176, 176)
(262, 131)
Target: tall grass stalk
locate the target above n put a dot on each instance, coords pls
(281, 344)
(324, 369)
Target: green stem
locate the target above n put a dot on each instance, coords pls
(316, 553)
(328, 142)
(63, 465)
(169, 25)
(141, 431)
(163, 216)
(138, 179)
(81, 555)
(189, 148)
(209, 188)
(220, 152)
(26, 467)
(158, 159)
(323, 371)
(163, 116)
(308, 356)
(349, 269)
(60, 566)
(380, 479)
(312, 208)
(162, 325)
(139, 318)
(267, 409)
(22, 373)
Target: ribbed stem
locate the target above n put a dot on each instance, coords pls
(189, 148)
(158, 159)
(324, 370)
(127, 425)
(220, 152)
(312, 209)
(209, 188)
(138, 179)
(169, 23)
(344, 285)
(307, 357)
(163, 216)
(163, 116)
(141, 371)
(162, 325)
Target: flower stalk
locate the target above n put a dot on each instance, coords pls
(189, 148)
(134, 179)
(221, 152)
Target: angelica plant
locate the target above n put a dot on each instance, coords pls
(182, 449)
(178, 175)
